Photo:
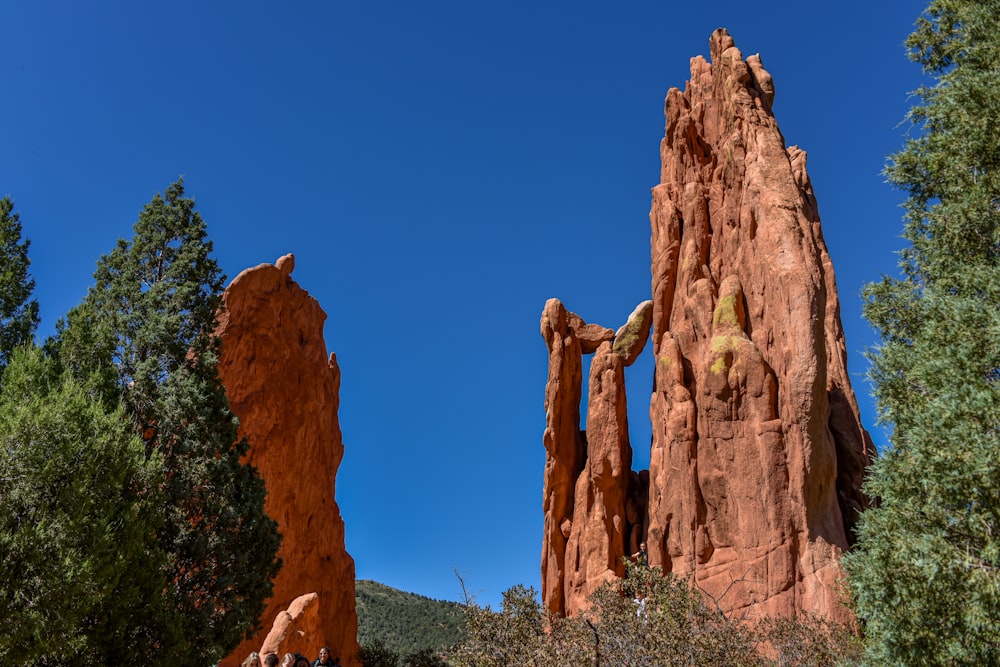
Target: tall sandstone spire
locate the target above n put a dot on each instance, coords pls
(286, 392)
(757, 451)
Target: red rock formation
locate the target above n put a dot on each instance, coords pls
(631, 337)
(599, 530)
(758, 449)
(285, 390)
(587, 474)
(295, 628)
(565, 449)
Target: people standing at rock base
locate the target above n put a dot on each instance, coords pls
(324, 659)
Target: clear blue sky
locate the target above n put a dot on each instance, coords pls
(439, 169)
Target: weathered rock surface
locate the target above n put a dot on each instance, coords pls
(599, 532)
(294, 628)
(565, 449)
(631, 337)
(758, 450)
(587, 473)
(285, 390)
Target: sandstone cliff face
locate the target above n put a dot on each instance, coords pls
(285, 390)
(758, 451)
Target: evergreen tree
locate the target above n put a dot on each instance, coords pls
(145, 329)
(374, 655)
(405, 622)
(427, 657)
(80, 564)
(18, 311)
(926, 570)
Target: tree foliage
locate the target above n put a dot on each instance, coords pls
(426, 657)
(645, 620)
(376, 655)
(143, 337)
(514, 635)
(79, 558)
(373, 654)
(925, 571)
(18, 311)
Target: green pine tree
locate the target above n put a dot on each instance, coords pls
(143, 335)
(18, 311)
(374, 655)
(926, 570)
(80, 561)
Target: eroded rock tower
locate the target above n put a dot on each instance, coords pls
(758, 451)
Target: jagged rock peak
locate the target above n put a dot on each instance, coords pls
(758, 451)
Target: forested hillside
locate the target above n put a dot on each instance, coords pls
(405, 622)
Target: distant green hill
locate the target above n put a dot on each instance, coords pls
(406, 622)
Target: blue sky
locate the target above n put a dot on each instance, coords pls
(439, 169)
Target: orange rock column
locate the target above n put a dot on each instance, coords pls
(285, 390)
(758, 450)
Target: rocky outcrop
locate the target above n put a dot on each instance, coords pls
(294, 629)
(565, 449)
(285, 390)
(758, 450)
(587, 473)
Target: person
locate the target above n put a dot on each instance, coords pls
(287, 660)
(639, 557)
(271, 660)
(640, 606)
(253, 660)
(300, 661)
(324, 659)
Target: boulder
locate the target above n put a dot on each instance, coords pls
(293, 629)
(631, 337)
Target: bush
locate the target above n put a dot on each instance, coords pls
(646, 619)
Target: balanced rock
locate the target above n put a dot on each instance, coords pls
(631, 337)
(285, 391)
(757, 452)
